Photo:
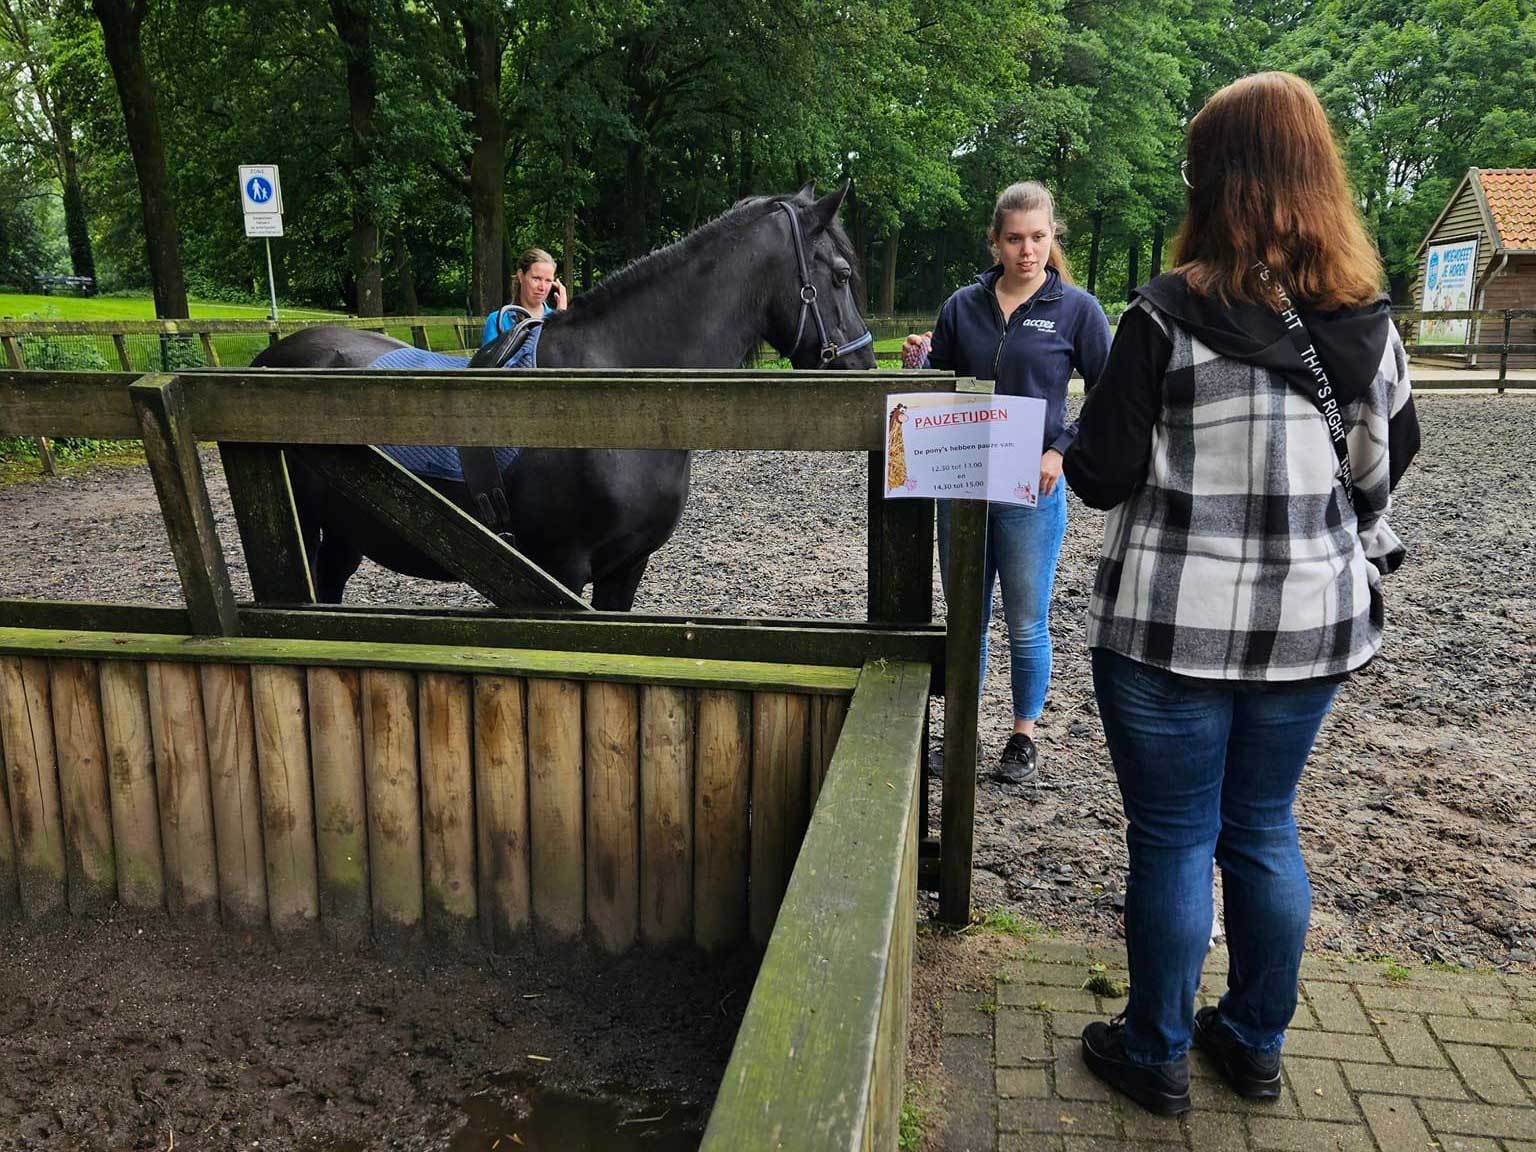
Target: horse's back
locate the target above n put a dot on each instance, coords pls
(327, 346)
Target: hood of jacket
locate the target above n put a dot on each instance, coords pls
(1350, 341)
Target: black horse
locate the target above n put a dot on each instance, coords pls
(759, 272)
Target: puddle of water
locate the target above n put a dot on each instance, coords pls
(550, 1120)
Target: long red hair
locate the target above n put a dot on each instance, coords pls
(1267, 183)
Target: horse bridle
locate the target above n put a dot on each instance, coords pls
(830, 351)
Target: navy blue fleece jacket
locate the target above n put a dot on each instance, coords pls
(1057, 329)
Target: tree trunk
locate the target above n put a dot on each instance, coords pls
(888, 272)
(120, 24)
(76, 227)
(636, 185)
(1093, 253)
(354, 25)
(748, 165)
(858, 236)
(405, 273)
(1132, 267)
(1157, 249)
(487, 161)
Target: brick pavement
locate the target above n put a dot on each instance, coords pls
(1378, 1059)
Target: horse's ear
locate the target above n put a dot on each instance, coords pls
(807, 192)
(825, 210)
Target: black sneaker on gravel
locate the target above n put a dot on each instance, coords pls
(1255, 1075)
(1159, 1088)
(1019, 760)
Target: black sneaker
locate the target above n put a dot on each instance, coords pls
(1255, 1075)
(1019, 760)
(1159, 1088)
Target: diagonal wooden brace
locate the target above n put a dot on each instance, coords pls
(443, 531)
(170, 446)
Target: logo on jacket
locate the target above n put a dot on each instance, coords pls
(1043, 325)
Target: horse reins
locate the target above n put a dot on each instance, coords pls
(830, 350)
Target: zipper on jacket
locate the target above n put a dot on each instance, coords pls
(1024, 309)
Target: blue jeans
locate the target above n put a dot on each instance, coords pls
(1022, 547)
(1209, 771)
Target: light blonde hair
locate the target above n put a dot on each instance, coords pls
(1032, 196)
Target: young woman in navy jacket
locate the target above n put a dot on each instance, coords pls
(1025, 326)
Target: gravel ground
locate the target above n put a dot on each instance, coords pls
(1416, 811)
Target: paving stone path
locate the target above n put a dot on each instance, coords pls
(1379, 1058)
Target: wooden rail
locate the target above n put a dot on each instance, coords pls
(819, 1058)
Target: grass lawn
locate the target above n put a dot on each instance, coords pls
(18, 305)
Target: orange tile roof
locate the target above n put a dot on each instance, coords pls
(1511, 197)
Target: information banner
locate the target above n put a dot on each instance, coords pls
(1448, 288)
(963, 446)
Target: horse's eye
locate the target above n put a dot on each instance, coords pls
(841, 276)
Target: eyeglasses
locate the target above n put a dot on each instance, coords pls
(1184, 173)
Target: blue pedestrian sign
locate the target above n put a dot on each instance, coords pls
(260, 192)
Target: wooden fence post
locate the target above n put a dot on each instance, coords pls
(171, 449)
(962, 700)
(18, 361)
(1504, 351)
(262, 496)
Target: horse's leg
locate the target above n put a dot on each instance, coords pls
(615, 591)
(338, 558)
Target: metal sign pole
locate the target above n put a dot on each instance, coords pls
(271, 283)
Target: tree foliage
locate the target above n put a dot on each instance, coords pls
(619, 125)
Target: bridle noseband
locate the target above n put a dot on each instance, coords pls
(829, 351)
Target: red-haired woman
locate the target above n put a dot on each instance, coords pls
(1246, 435)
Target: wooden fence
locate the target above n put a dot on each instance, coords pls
(456, 774)
(388, 789)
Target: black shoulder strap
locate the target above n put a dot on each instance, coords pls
(487, 493)
(1321, 392)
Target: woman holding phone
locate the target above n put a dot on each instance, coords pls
(539, 293)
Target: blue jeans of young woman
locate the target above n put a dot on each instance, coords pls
(1022, 547)
(1209, 771)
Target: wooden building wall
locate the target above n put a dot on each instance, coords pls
(1462, 222)
(394, 802)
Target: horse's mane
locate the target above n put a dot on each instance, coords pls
(657, 264)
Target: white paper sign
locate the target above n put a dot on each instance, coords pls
(263, 225)
(1448, 275)
(963, 446)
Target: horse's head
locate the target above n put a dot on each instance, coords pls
(812, 318)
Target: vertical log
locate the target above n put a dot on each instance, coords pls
(183, 791)
(394, 802)
(262, 496)
(780, 781)
(121, 344)
(131, 781)
(720, 830)
(90, 866)
(287, 805)
(612, 726)
(827, 714)
(555, 822)
(10, 891)
(501, 808)
(666, 815)
(236, 793)
(31, 774)
(447, 805)
(962, 698)
(210, 357)
(341, 810)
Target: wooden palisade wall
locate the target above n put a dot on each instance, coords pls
(373, 791)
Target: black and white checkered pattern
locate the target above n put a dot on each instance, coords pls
(1240, 556)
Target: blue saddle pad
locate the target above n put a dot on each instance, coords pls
(441, 462)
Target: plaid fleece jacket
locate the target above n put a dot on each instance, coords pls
(1238, 556)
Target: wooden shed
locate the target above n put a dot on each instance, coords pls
(1481, 254)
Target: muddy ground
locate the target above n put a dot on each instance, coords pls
(126, 1032)
(1417, 813)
